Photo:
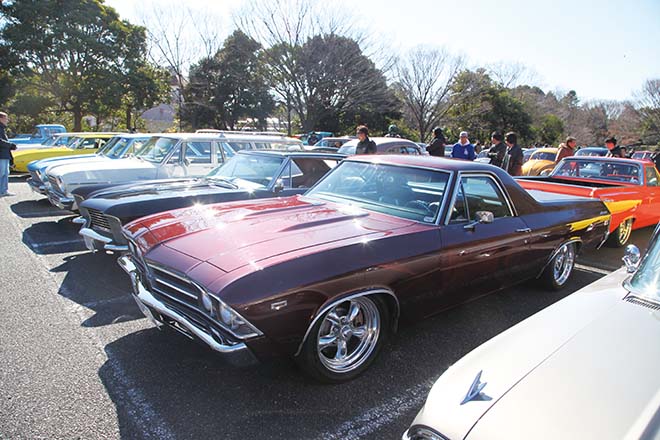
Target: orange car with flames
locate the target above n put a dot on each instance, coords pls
(630, 189)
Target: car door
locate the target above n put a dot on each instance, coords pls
(198, 157)
(172, 165)
(650, 209)
(482, 257)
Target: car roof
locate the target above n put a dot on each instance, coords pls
(293, 154)
(383, 141)
(229, 137)
(621, 160)
(546, 150)
(439, 163)
(96, 134)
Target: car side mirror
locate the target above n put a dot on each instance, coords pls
(279, 186)
(480, 217)
(631, 258)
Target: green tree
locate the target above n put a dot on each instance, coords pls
(551, 130)
(75, 51)
(228, 87)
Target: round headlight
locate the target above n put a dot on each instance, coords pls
(206, 302)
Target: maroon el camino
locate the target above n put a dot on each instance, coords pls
(325, 277)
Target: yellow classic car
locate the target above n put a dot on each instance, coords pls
(542, 159)
(82, 143)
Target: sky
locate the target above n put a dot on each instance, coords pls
(602, 50)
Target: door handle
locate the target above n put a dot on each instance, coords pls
(524, 230)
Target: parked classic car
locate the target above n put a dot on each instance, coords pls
(248, 175)
(592, 151)
(39, 135)
(385, 145)
(116, 148)
(630, 189)
(541, 160)
(332, 142)
(584, 368)
(326, 276)
(55, 140)
(84, 143)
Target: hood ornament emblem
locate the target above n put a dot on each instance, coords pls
(475, 391)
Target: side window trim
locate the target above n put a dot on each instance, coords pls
(491, 176)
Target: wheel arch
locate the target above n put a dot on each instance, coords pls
(388, 295)
(574, 240)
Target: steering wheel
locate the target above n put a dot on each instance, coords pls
(418, 204)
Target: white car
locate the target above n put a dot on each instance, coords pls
(164, 156)
(584, 368)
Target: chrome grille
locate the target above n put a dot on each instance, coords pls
(98, 220)
(173, 286)
(35, 177)
(53, 183)
(640, 302)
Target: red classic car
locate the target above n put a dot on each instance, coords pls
(628, 187)
(325, 277)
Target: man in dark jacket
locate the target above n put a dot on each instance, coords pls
(613, 150)
(497, 152)
(366, 145)
(437, 145)
(514, 153)
(5, 155)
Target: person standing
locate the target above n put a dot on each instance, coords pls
(612, 149)
(497, 151)
(5, 155)
(366, 145)
(566, 149)
(463, 149)
(437, 145)
(514, 153)
(393, 132)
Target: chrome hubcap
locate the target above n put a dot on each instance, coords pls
(348, 335)
(563, 264)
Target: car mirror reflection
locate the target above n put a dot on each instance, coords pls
(631, 258)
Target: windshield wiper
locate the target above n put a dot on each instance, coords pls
(223, 182)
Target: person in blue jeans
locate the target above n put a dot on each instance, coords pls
(463, 149)
(5, 155)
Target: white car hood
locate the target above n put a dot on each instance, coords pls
(537, 368)
(78, 160)
(117, 170)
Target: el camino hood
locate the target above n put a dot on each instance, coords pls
(107, 170)
(232, 235)
(541, 342)
(157, 188)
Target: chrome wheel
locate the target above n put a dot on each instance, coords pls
(562, 265)
(348, 334)
(623, 232)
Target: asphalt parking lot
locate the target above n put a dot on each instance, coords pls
(78, 360)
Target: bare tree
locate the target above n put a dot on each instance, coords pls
(424, 78)
(649, 106)
(173, 45)
(511, 74)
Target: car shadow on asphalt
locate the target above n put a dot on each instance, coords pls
(183, 389)
(37, 208)
(96, 282)
(54, 237)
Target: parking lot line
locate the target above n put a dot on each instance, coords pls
(377, 417)
(597, 270)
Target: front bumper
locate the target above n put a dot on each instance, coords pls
(96, 242)
(37, 187)
(61, 201)
(160, 314)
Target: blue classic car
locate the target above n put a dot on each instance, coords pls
(116, 148)
(41, 133)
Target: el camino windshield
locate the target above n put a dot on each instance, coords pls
(256, 169)
(156, 149)
(405, 192)
(646, 281)
(602, 170)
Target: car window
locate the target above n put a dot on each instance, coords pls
(198, 152)
(614, 171)
(543, 155)
(305, 172)
(175, 158)
(651, 176)
(238, 146)
(86, 143)
(252, 168)
(412, 150)
(478, 193)
(227, 150)
(405, 192)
